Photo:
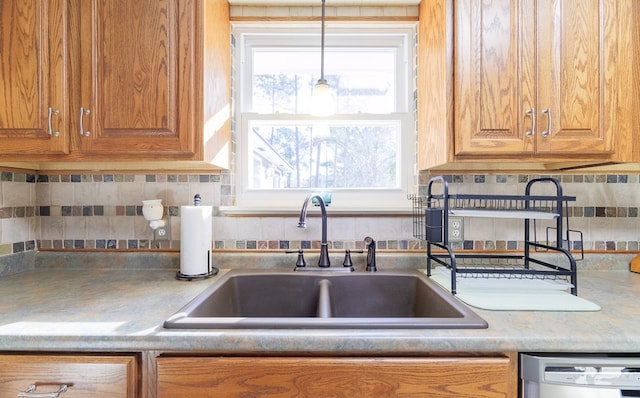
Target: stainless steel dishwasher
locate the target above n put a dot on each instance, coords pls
(579, 376)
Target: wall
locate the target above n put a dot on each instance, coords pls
(605, 209)
(18, 222)
(103, 211)
(18, 213)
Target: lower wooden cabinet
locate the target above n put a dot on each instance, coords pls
(431, 377)
(71, 375)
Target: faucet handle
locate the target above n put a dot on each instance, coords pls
(347, 263)
(347, 259)
(300, 262)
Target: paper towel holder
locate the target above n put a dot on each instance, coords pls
(204, 213)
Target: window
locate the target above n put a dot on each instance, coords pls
(364, 151)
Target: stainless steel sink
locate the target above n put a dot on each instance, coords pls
(268, 299)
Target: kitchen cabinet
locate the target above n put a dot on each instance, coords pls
(126, 81)
(75, 375)
(135, 65)
(33, 75)
(477, 377)
(519, 81)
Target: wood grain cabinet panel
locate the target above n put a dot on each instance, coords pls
(577, 42)
(33, 75)
(494, 78)
(142, 80)
(546, 81)
(136, 75)
(84, 376)
(475, 377)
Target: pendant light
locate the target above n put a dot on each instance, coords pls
(322, 100)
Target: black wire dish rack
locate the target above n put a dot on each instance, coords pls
(549, 258)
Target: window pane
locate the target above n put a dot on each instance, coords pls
(337, 154)
(362, 80)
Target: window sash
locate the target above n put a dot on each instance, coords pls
(343, 198)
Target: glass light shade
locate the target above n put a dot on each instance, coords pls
(322, 103)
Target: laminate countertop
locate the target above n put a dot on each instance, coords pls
(53, 308)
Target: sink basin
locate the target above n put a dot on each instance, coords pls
(286, 299)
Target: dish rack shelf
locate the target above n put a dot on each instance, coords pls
(550, 258)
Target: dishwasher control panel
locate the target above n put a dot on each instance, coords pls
(593, 375)
(566, 376)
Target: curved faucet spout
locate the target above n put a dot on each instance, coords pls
(324, 247)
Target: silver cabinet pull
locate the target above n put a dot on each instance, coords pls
(52, 112)
(84, 112)
(532, 114)
(547, 113)
(30, 392)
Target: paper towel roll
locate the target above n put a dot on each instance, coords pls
(196, 235)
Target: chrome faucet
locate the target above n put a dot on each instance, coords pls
(324, 248)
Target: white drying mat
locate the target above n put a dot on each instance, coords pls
(513, 294)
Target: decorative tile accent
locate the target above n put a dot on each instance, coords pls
(600, 199)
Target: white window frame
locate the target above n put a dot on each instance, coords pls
(347, 200)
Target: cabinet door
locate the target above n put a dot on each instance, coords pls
(336, 377)
(33, 39)
(84, 376)
(137, 78)
(494, 77)
(576, 65)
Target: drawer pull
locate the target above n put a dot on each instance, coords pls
(547, 113)
(52, 112)
(84, 112)
(30, 391)
(532, 114)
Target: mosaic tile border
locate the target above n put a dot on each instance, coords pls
(136, 210)
(17, 247)
(170, 178)
(283, 245)
(275, 245)
(424, 176)
(225, 177)
(227, 188)
(270, 245)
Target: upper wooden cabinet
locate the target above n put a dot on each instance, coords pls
(33, 75)
(144, 80)
(546, 81)
(137, 82)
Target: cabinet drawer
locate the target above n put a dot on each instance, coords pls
(336, 377)
(85, 376)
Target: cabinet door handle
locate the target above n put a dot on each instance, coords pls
(52, 112)
(84, 112)
(532, 114)
(547, 113)
(30, 392)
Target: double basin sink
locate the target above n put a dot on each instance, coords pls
(243, 299)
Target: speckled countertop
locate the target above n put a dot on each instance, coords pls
(111, 307)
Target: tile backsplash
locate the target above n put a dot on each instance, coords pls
(103, 211)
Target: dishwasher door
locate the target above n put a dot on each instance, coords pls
(579, 377)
